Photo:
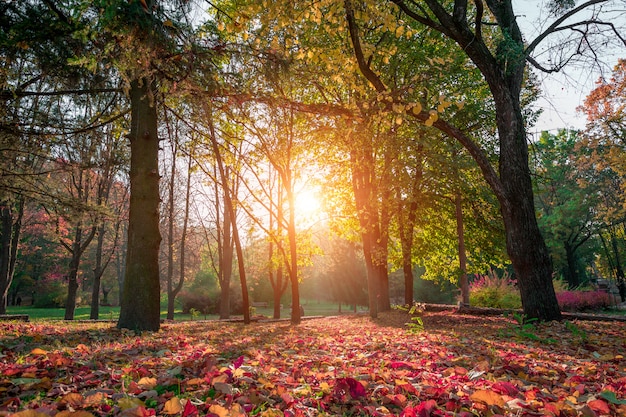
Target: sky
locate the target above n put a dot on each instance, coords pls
(563, 92)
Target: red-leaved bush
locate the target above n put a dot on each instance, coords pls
(583, 300)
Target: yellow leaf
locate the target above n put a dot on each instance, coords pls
(272, 412)
(38, 351)
(429, 122)
(221, 26)
(173, 406)
(417, 109)
(399, 120)
(127, 403)
(168, 23)
(147, 382)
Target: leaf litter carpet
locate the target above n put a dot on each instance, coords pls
(458, 365)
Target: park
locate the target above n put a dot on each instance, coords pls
(453, 365)
(312, 208)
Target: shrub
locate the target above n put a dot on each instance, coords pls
(493, 291)
(204, 303)
(583, 300)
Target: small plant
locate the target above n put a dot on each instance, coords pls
(415, 311)
(583, 300)
(494, 291)
(525, 329)
(577, 332)
(194, 313)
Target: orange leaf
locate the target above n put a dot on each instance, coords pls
(173, 406)
(218, 410)
(38, 351)
(74, 399)
(488, 398)
(599, 406)
(29, 413)
(147, 383)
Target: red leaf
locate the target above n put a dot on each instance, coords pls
(424, 409)
(238, 362)
(507, 388)
(400, 364)
(355, 388)
(190, 410)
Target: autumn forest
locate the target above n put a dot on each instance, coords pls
(242, 153)
(203, 176)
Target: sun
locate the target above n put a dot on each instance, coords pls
(307, 204)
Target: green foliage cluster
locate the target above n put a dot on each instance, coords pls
(492, 290)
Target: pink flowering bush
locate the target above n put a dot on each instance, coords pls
(494, 291)
(583, 300)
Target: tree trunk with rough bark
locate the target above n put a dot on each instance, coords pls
(140, 303)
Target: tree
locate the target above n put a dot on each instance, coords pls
(499, 51)
(565, 208)
(601, 157)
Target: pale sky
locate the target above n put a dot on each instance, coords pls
(562, 92)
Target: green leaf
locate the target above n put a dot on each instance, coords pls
(611, 397)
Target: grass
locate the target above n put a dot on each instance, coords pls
(311, 308)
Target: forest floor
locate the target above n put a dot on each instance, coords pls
(448, 364)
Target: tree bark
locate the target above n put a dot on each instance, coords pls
(463, 284)
(140, 304)
(10, 228)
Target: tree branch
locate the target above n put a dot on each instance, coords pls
(358, 51)
(555, 25)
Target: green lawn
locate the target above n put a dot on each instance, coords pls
(311, 308)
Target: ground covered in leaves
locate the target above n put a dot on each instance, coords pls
(456, 365)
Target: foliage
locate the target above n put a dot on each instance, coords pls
(525, 329)
(330, 367)
(566, 203)
(415, 311)
(583, 300)
(492, 290)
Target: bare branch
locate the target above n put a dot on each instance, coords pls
(555, 25)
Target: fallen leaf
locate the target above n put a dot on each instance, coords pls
(147, 383)
(29, 413)
(488, 397)
(173, 406)
(599, 406)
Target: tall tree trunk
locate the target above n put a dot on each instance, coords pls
(76, 251)
(170, 231)
(525, 245)
(140, 304)
(364, 192)
(98, 271)
(72, 285)
(10, 228)
(293, 260)
(571, 272)
(228, 203)
(619, 271)
(226, 260)
(463, 283)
